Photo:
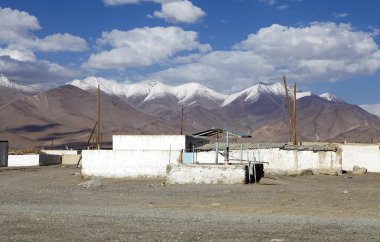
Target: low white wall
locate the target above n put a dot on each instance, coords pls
(282, 161)
(127, 163)
(61, 152)
(205, 174)
(363, 155)
(148, 142)
(33, 160)
(23, 160)
(208, 157)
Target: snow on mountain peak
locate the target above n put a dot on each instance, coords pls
(330, 97)
(253, 93)
(188, 93)
(9, 83)
(185, 92)
(108, 86)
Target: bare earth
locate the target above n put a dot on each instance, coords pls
(47, 204)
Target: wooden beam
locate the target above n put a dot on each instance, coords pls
(295, 115)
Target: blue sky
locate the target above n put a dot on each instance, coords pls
(326, 46)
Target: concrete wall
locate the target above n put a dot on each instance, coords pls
(148, 142)
(363, 155)
(33, 160)
(70, 159)
(282, 161)
(46, 160)
(205, 174)
(127, 163)
(23, 160)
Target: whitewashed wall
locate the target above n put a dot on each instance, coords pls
(127, 163)
(205, 174)
(148, 142)
(33, 160)
(363, 155)
(282, 161)
(23, 160)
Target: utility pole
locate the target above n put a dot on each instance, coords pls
(182, 120)
(294, 115)
(289, 110)
(98, 142)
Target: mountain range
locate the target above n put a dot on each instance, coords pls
(65, 115)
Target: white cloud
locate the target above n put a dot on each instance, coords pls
(39, 71)
(60, 42)
(16, 25)
(341, 15)
(372, 108)
(181, 11)
(18, 42)
(172, 11)
(228, 70)
(17, 32)
(269, 2)
(318, 52)
(143, 47)
(282, 7)
(120, 2)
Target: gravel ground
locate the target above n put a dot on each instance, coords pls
(47, 204)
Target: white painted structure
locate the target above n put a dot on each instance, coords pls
(23, 160)
(282, 161)
(362, 155)
(205, 174)
(127, 163)
(137, 156)
(33, 160)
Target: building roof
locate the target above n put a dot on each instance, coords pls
(215, 131)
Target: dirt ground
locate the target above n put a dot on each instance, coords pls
(47, 204)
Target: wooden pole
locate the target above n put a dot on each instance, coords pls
(98, 142)
(182, 120)
(295, 115)
(92, 132)
(289, 110)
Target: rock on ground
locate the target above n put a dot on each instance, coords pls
(91, 184)
(359, 170)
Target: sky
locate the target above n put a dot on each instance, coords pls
(228, 45)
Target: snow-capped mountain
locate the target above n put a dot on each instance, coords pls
(187, 94)
(252, 94)
(9, 83)
(330, 97)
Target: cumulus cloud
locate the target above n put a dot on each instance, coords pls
(31, 72)
(172, 11)
(318, 52)
(17, 30)
(372, 108)
(181, 11)
(143, 47)
(18, 44)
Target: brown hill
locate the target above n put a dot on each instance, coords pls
(66, 115)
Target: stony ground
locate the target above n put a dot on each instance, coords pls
(47, 204)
